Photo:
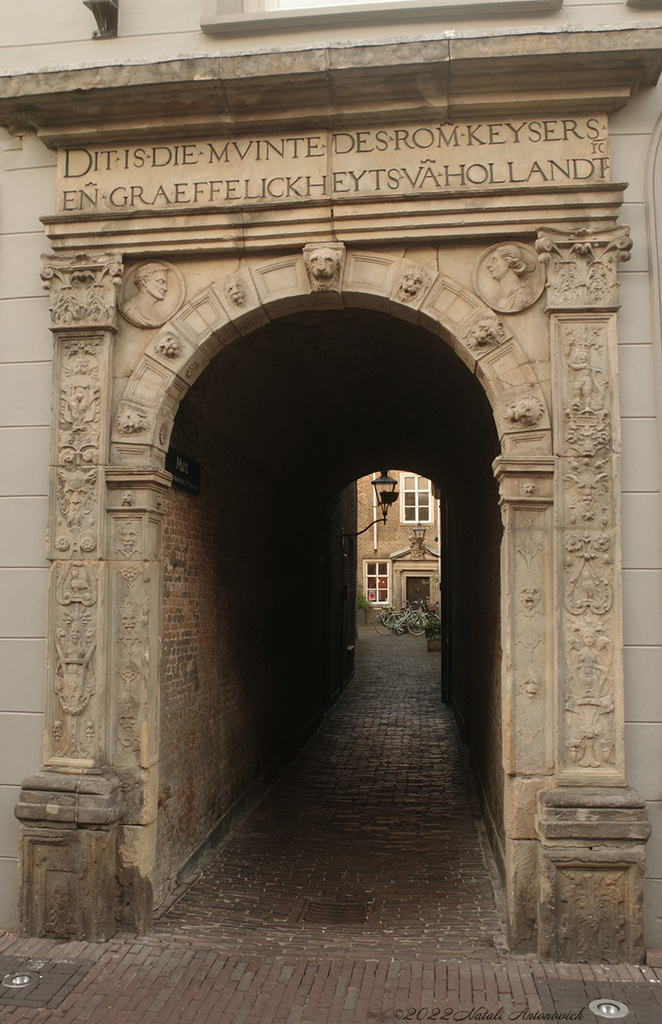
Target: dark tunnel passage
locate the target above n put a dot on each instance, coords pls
(257, 581)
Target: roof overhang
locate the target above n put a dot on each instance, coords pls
(449, 76)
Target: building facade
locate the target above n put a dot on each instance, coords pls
(262, 226)
(395, 566)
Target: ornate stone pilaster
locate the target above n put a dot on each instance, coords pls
(70, 811)
(582, 303)
(591, 826)
(135, 505)
(527, 494)
(83, 293)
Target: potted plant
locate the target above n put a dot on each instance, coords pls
(433, 634)
(362, 606)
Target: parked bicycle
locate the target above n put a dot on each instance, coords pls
(409, 620)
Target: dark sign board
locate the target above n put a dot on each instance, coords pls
(185, 471)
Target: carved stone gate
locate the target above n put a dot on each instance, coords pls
(530, 311)
(575, 832)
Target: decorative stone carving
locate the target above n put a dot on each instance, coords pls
(79, 402)
(508, 277)
(131, 421)
(485, 333)
(592, 865)
(525, 412)
(589, 659)
(587, 490)
(128, 545)
(592, 913)
(582, 268)
(169, 346)
(151, 294)
(416, 547)
(324, 265)
(588, 586)
(131, 659)
(83, 290)
(76, 507)
(75, 644)
(236, 291)
(412, 281)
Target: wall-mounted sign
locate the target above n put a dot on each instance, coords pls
(185, 471)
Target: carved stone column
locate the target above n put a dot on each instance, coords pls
(526, 485)
(70, 810)
(592, 827)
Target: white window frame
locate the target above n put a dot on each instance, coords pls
(377, 562)
(418, 490)
(225, 17)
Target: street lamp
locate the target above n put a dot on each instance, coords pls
(385, 494)
(385, 490)
(419, 534)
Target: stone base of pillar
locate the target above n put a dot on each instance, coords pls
(68, 855)
(591, 874)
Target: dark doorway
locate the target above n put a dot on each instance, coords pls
(418, 589)
(257, 576)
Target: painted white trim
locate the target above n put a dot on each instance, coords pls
(244, 16)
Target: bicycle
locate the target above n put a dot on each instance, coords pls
(408, 620)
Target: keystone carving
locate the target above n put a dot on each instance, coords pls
(83, 290)
(582, 268)
(324, 265)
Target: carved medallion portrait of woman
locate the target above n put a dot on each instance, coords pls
(508, 277)
(151, 294)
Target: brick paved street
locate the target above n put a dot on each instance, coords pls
(360, 890)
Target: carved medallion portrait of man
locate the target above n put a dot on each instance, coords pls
(508, 277)
(151, 294)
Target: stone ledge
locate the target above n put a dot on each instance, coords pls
(462, 75)
(612, 814)
(66, 798)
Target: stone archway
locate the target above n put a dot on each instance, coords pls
(574, 832)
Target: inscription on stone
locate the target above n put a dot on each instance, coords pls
(400, 160)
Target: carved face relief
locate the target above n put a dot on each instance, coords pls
(324, 265)
(235, 290)
(132, 422)
(412, 280)
(485, 333)
(151, 294)
(525, 412)
(508, 277)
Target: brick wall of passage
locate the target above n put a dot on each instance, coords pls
(239, 681)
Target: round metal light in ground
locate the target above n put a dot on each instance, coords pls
(608, 1009)
(20, 979)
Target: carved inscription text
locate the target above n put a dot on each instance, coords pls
(398, 160)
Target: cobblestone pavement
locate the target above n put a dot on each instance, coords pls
(360, 890)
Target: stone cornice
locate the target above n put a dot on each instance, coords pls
(451, 75)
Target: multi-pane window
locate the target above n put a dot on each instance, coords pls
(376, 582)
(416, 499)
